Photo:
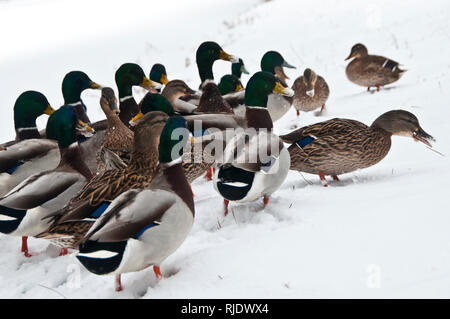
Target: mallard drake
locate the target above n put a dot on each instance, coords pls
(238, 68)
(340, 146)
(119, 138)
(229, 83)
(141, 228)
(371, 70)
(158, 74)
(74, 83)
(127, 76)
(23, 207)
(207, 53)
(237, 180)
(311, 92)
(72, 222)
(18, 158)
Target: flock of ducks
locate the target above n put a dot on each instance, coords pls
(118, 191)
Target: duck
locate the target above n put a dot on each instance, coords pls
(119, 138)
(127, 76)
(158, 74)
(73, 84)
(311, 92)
(70, 224)
(22, 208)
(28, 152)
(207, 53)
(235, 179)
(238, 68)
(371, 70)
(175, 89)
(229, 83)
(274, 62)
(142, 227)
(340, 146)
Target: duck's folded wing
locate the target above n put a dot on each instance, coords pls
(38, 189)
(23, 151)
(129, 214)
(184, 106)
(110, 160)
(253, 152)
(104, 187)
(219, 121)
(235, 98)
(330, 127)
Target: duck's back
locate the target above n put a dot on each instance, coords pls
(373, 70)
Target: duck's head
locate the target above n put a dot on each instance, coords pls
(403, 123)
(108, 101)
(131, 74)
(229, 83)
(309, 79)
(273, 62)
(176, 88)
(158, 74)
(261, 85)
(238, 68)
(358, 51)
(173, 139)
(207, 53)
(150, 103)
(28, 107)
(64, 126)
(74, 83)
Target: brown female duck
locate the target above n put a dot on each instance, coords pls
(311, 92)
(371, 70)
(72, 222)
(339, 146)
(119, 138)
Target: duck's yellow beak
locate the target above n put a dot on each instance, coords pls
(95, 86)
(228, 57)
(164, 79)
(192, 139)
(280, 89)
(239, 87)
(136, 118)
(85, 126)
(149, 84)
(49, 110)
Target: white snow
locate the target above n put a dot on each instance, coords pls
(382, 232)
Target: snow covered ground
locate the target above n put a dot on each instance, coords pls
(380, 232)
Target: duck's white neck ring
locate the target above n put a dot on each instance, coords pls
(173, 163)
(123, 99)
(32, 128)
(76, 103)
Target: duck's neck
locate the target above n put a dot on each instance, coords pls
(125, 90)
(128, 109)
(71, 96)
(80, 109)
(26, 129)
(236, 70)
(258, 118)
(73, 157)
(383, 123)
(205, 70)
(174, 175)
